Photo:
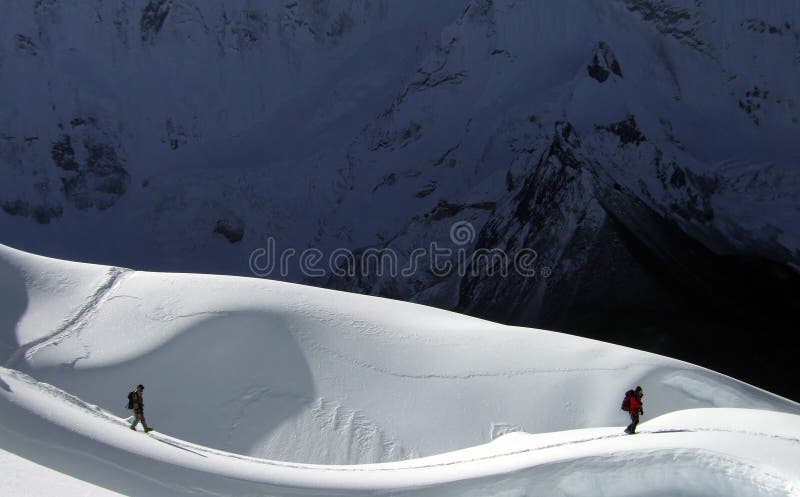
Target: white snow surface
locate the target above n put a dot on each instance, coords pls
(256, 387)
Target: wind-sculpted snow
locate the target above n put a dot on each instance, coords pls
(257, 387)
(710, 452)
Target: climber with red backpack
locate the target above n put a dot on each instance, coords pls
(633, 404)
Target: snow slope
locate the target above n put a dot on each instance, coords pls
(258, 387)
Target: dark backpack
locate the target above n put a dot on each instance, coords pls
(130, 399)
(626, 402)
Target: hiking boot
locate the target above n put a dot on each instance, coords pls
(133, 428)
(148, 430)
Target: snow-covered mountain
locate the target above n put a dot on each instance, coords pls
(644, 150)
(257, 387)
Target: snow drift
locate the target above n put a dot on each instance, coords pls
(277, 386)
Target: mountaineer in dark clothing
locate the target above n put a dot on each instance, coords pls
(137, 402)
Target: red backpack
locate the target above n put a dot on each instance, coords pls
(626, 402)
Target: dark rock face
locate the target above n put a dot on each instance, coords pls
(340, 26)
(604, 63)
(41, 213)
(553, 208)
(63, 154)
(175, 135)
(626, 130)
(751, 103)
(17, 207)
(96, 183)
(393, 140)
(761, 26)
(26, 44)
(153, 16)
(445, 210)
(426, 190)
(321, 19)
(597, 71)
(677, 22)
(231, 229)
(248, 31)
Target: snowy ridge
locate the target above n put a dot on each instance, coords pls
(258, 387)
(675, 436)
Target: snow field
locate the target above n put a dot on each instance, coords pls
(262, 387)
